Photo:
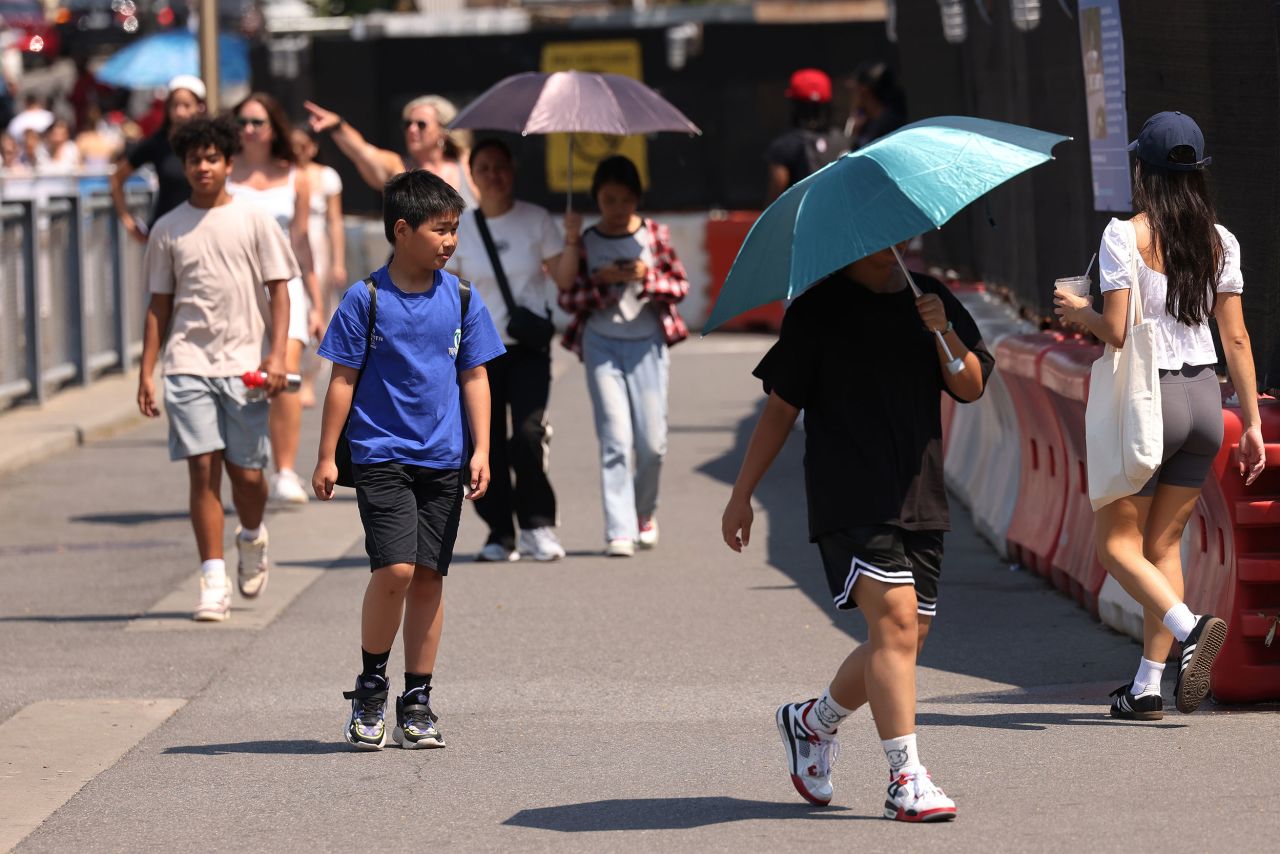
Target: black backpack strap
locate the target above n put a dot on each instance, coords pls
(489, 247)
(373, 318)
(464, 295)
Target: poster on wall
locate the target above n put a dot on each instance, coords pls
(1102, 49)
(621, 56)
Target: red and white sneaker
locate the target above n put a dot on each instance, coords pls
(914, 797)
(810, 755)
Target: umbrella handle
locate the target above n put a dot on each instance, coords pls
(954, 365)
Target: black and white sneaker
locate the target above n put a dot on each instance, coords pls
(810, 755)
(1198, 653)
(1127, 707)
(366, 727)
(415, 722)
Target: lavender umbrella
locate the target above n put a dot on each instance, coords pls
(572, 102)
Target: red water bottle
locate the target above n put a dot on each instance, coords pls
(256, 382)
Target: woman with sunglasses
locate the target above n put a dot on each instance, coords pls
(428, 143)
(265, 173)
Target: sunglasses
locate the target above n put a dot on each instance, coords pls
(246, 122)
(419, 123)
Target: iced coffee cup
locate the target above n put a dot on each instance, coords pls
(1078, 285)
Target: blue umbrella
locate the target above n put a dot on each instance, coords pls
(898, 187)
(155, 60)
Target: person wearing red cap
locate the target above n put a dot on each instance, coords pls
(810, 143)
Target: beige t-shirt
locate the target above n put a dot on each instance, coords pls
(215, 262)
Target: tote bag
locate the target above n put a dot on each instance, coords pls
(1124, 427)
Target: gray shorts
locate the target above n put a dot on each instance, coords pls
(208, 414)
(1191, 403)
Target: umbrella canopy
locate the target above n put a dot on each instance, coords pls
(155, 60)
(898, 187)
(572, 102)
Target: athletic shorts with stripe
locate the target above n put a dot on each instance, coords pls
(885, 553)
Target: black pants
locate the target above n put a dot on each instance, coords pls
(519, 382)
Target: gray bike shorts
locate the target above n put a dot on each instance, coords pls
(1192, 407)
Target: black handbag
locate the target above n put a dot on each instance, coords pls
(342, 452)
(526, 326)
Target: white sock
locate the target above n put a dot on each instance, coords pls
(1180, 621)
(825, 714)
(250, 534)
(1148, 679)
(214, 572)
(901, 752)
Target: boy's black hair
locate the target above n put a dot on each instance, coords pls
(202, 132)
(416, 197)
(617, 170)
(489, 142)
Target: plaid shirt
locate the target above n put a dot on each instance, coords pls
(665, 283)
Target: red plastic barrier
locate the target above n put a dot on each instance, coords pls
(1074, 566)
(724, 238)
(1042, 489)
(1235, 571)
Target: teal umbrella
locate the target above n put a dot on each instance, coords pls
(900, 186)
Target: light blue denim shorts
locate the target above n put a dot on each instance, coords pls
(209, 414)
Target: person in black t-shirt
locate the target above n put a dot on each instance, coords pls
(185, 101)
(810, 143)
(859, 356)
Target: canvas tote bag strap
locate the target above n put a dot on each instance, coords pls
(1136, 315)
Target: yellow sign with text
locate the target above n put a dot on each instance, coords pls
(612, 57)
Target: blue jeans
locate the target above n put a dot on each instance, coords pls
(628, 385)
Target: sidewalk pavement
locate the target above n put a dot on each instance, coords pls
(589, 704)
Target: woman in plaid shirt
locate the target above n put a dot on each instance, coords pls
(623, 303)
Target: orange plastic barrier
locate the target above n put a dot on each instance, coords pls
(1042, 489)
(724, 238)
(1074, 566)
(1232, 563)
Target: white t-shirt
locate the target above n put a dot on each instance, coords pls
(1177, 343)
(526, 238)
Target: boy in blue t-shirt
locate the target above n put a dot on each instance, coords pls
(405, 398)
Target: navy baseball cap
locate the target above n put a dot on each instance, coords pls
(1164, 132)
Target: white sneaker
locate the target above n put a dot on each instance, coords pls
(621, 547)
(914, 797)
(648, 532)
(541, 544)
(810, 755)
(215, 602)
(497, 553)
(252, 566)
(287, 488)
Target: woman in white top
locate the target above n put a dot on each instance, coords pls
(428, 144)
(528, 244)
(1188, 269)
(328, 240)
(265, 174)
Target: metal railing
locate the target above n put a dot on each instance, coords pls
(71, 292)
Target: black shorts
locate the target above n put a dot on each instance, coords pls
(1192, 408)
(886, 553)
(410, 513)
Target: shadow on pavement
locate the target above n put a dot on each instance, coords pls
(1006, 627)
(138, 518)
(668, 814)
(1034, 721)
(348, 562)
(282, 746)
(96, 618)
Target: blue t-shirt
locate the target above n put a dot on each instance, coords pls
(407, 406)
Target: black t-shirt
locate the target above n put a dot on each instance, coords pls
(867, 375)
(174, 187)
(804, 151)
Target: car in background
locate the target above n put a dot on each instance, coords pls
(36, 36)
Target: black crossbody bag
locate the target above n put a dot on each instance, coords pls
(526, 326)
(342, 453)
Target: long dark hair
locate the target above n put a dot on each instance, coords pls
(281, 130)
(1179, 211)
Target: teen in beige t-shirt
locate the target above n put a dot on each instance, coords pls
(214, 261)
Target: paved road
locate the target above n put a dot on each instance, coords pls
(589, 705)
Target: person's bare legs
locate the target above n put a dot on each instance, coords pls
(423, 620)
(205, 501)
(849, 687)
(1167, 518)
(248, 494)
(1119, 533)
(889, 680)
(285, 418)
(384, 606)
